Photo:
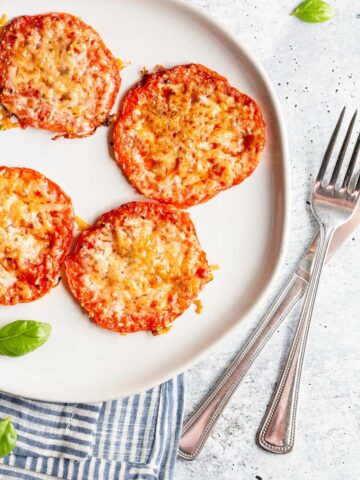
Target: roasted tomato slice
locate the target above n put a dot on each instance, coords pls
(36, 227)
(57, 74)
(138, 267)
(185, 133)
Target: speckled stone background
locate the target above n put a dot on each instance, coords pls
(315, 69)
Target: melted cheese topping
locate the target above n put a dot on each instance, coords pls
(190, 135)
(31, 214)
(133, 267)
(58, 74)
(139, 267)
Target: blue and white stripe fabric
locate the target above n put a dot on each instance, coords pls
(135, 438)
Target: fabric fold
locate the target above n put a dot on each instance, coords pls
(135, 438)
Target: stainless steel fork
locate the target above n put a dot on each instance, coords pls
(332, 205)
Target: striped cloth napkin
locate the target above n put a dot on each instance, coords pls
(135, 438)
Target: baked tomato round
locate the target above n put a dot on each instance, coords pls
(185, 133)
(57, 74)
(138, 267)
(36, 227)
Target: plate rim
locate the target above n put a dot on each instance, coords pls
(227, 32)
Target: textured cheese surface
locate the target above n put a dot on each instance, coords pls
(138, 271)
(35, 227)
(185, 134)
(57, 73)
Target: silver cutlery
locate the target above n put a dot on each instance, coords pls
(332, 205)
(199, 425)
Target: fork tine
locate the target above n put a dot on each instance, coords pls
(330, 148)
(350, 169)
(355, 155)
(344, 146)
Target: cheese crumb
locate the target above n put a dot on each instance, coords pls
(199, 306)
(3, 21)
(161, 331)
(144, 71)
(214, 267)
(82, 225)
(122, 64)
(7, 120)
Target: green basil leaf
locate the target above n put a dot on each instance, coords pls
(8, 437)
(314, 11)
(23, 336)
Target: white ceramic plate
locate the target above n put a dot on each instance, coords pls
(242, 229)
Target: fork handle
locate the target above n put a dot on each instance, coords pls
(277, 430)
(198, 427)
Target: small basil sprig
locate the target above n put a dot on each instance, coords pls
(23, 336)
(314, 11)
(8, 437)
